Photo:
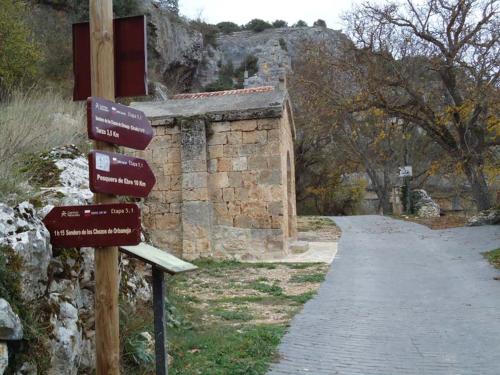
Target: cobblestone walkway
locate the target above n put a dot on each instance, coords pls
(401, 299)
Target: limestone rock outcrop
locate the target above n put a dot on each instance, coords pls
(423, 205)
(487, 217)
(10, 324)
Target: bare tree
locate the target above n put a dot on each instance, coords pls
(434, 64)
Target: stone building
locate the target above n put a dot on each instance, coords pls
(225, 174)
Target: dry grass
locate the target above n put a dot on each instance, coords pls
(33, 122)
(317, 228)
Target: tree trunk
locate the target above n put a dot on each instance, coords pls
(479, 186)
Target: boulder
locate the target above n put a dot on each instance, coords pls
(423, 205)
(10, 324)
(4, 357)
(487, 217)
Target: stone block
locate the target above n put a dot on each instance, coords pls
(172, 196)
(244, 125)
(172, 129)
(217, 139)
(220, 126)
(271, 148)
(212, 166)
(273, 135)
(277, 192)
(248, 150)
(270, 177)
(218, 180)
(159, 155)
(215, 195)
(235, 179)
(224, 164)
(239, 163)
(231, 151)
(234, 138)
(268, 123)
(274, 162)
(171, 169)
(175, 208)
(176, 182)
(256, 162)
(166, 221)
(194, 180)
(215, 151)
(276, 208)
(242, 194)
(256, 136)
(228, 194)
(196, 194)
(174, 155)
(196, 165)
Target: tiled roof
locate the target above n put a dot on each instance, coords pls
(200, 95)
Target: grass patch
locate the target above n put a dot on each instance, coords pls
(228, 318)
(302, 298)
(308, 278)
(233, 315)
(273, 290)
(313, 223)
(300, 266)
(493, 257)
(221, 350)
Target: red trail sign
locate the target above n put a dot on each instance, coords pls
(115, 123)
(94, 226)
(120, 174)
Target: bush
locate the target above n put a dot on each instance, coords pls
(257, 25)
(280, 23)
(333, 196)
(208, 31)
(320, 23)
(300, 23)
(228, 27)
(18, 53)
(283, 44)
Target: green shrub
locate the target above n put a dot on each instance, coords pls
(208, 31)
(280, 23)
(228, 27)
(257, 25)
(19, 55)
(319, 23)
(283, 44)
(300, 23)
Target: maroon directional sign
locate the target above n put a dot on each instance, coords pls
(120, 174)
(115, 123)
(94, 226)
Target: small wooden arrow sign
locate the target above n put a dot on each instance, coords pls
(120, 174)
(115, 123)
(94, 226)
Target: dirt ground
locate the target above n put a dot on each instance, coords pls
(442, 222)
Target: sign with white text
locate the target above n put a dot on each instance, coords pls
(118, 124)
(120, 174)
(101, 225)
(406, 171)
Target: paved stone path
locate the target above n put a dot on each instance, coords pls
(401, 299)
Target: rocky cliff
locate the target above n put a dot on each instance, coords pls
(185, 59)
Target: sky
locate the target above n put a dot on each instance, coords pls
(242, 11)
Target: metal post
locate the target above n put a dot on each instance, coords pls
(159, 318)
(107, 335)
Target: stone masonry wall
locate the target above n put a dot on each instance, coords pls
(162, 210)
(222, 188)
(245, 187)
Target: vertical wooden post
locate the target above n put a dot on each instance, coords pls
(107, 334)
(159, 317)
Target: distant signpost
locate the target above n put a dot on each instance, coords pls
(94, 226)
(118, 124)
(120, 174)
(406, 171)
